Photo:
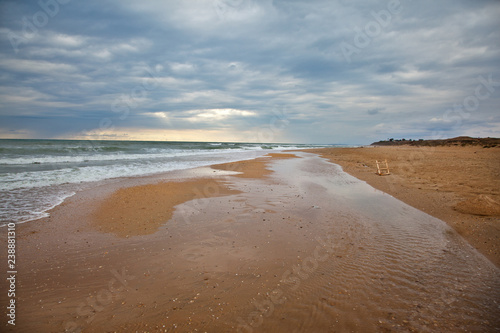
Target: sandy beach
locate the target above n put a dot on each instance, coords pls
(286, 242)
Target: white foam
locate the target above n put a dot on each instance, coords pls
(24, 206)
(107, 157)
(29, 195)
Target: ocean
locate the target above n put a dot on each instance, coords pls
(37, 175)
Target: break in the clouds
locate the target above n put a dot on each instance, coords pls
(243, 70)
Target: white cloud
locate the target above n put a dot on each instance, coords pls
(220, 17)
(208, 115)
(63, 40)
(182, 68)
(36, 66)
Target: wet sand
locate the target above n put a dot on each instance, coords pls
(459, 185)
(141, 210)
(287, 244)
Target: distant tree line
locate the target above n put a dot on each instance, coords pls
(458, 141)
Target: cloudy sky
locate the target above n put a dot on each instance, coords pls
(247, 70)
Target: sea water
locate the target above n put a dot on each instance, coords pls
(37, 175)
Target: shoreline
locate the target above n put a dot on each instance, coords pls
(155, 203)
(459, 185)
(39, 186)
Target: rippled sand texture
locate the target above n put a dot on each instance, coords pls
(393, 267)
(307, 249)
(459, 185)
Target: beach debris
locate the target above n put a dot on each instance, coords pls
(381, 169)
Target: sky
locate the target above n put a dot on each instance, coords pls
(297, 71)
